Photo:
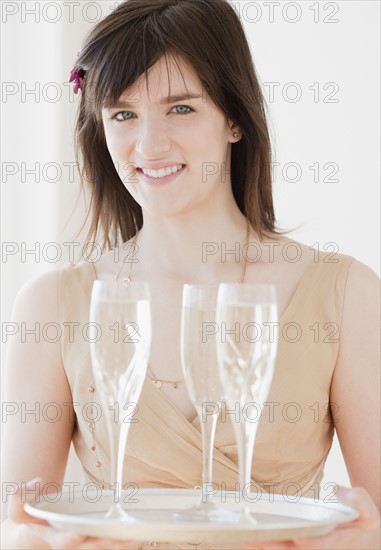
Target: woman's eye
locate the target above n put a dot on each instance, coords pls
(183, 107)
(121, 116)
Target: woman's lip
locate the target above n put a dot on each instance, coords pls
(159, 181)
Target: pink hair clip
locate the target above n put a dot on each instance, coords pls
(77, 76)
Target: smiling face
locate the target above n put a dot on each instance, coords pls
(147, 129)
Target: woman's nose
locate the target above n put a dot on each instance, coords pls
(152, 138)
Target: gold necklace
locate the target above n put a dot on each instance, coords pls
(158, 382)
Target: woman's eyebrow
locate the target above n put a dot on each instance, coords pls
(164, 101)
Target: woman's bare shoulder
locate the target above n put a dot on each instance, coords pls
(40, 290)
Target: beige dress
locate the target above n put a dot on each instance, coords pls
(164, 449)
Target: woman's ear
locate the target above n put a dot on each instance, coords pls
(235, 133)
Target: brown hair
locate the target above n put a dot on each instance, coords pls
(209, 36)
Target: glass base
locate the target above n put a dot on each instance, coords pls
(207, 512)
(246, 519)
(116, 513)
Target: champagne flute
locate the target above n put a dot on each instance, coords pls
(200, 369)
(120, 340)
(246, 348)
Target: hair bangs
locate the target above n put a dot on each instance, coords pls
(117, 70)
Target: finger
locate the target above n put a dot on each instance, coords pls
(335, 539)
(70, 541)
(111, 544)
(27, 492)
(271, 544)
(359, 498)
(58, 540)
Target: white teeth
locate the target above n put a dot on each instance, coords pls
(162, 172)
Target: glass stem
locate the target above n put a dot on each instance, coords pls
(208, 431)
(245, 434)
(118, 432)
(113, 426)
(124, 428)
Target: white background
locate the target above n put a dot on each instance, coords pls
(330, 46)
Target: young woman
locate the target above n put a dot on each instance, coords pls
(173, 140)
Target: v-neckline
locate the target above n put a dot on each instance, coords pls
(291, 304)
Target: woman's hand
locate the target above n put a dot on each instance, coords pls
(56, 539)
(362, 533)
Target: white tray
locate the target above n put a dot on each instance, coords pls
(277, 518)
